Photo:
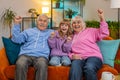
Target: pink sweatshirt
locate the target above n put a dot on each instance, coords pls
(84, 43)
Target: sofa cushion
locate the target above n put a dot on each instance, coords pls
(10, 72)
(109, 49)
(54, 73)
(12, 49)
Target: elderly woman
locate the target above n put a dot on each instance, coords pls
(86, 57)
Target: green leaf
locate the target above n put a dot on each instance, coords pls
(8, 17)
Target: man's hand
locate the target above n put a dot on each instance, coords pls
(17, 19)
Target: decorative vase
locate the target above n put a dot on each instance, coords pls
(70, 16)
(57, 5)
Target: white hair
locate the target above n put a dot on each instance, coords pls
(79, 18)
(41, 16)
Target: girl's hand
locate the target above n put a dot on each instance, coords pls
(52, 34)
(17, 19)
(69, 38)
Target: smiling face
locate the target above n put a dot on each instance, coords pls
(42, 22)
(78, 24)
(65, 28)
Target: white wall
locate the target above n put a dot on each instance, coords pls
(91, 6)
(21, 7)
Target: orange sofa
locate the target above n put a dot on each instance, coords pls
(7, 71)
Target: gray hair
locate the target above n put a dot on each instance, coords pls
(44, 16)
(79, 18)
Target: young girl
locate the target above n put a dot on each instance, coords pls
(60, 44)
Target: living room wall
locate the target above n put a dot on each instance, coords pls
(21, 8)
(90, 10)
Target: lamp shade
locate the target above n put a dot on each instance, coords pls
(45, 9)
(115, 3)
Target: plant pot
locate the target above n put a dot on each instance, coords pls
(70, 16)
(57, 5)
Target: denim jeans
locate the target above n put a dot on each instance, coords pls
(87, 68)
(39, 63)
(60, 60)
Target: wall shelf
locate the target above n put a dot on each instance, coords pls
(58, 13)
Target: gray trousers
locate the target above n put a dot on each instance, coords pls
(39, 63)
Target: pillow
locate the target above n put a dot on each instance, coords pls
(109, 49)
(12, 50)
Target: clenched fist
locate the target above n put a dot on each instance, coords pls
(69, 38)
(100, 11)
(52, 34)
(17, 19)
(101, 14)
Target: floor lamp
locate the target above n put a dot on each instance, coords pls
(116, 4)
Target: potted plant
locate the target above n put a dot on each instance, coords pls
(8, 17)
(69, 12)
(33, 12)
(83, 2)
(117, 61)
(57, 3)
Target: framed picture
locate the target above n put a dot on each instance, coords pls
(28, 22)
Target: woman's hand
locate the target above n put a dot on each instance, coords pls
(101, 14)
(17, 19)
(76, 56)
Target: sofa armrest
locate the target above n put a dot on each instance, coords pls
(108, 68)
(117, 65)
(3, 64)
(108, 38)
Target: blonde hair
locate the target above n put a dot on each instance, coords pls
(69, 32)
(79, 18)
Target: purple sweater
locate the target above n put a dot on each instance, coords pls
(59, 46)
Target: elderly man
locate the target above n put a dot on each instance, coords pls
(34, 50)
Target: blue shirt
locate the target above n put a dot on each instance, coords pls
(35, 41)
